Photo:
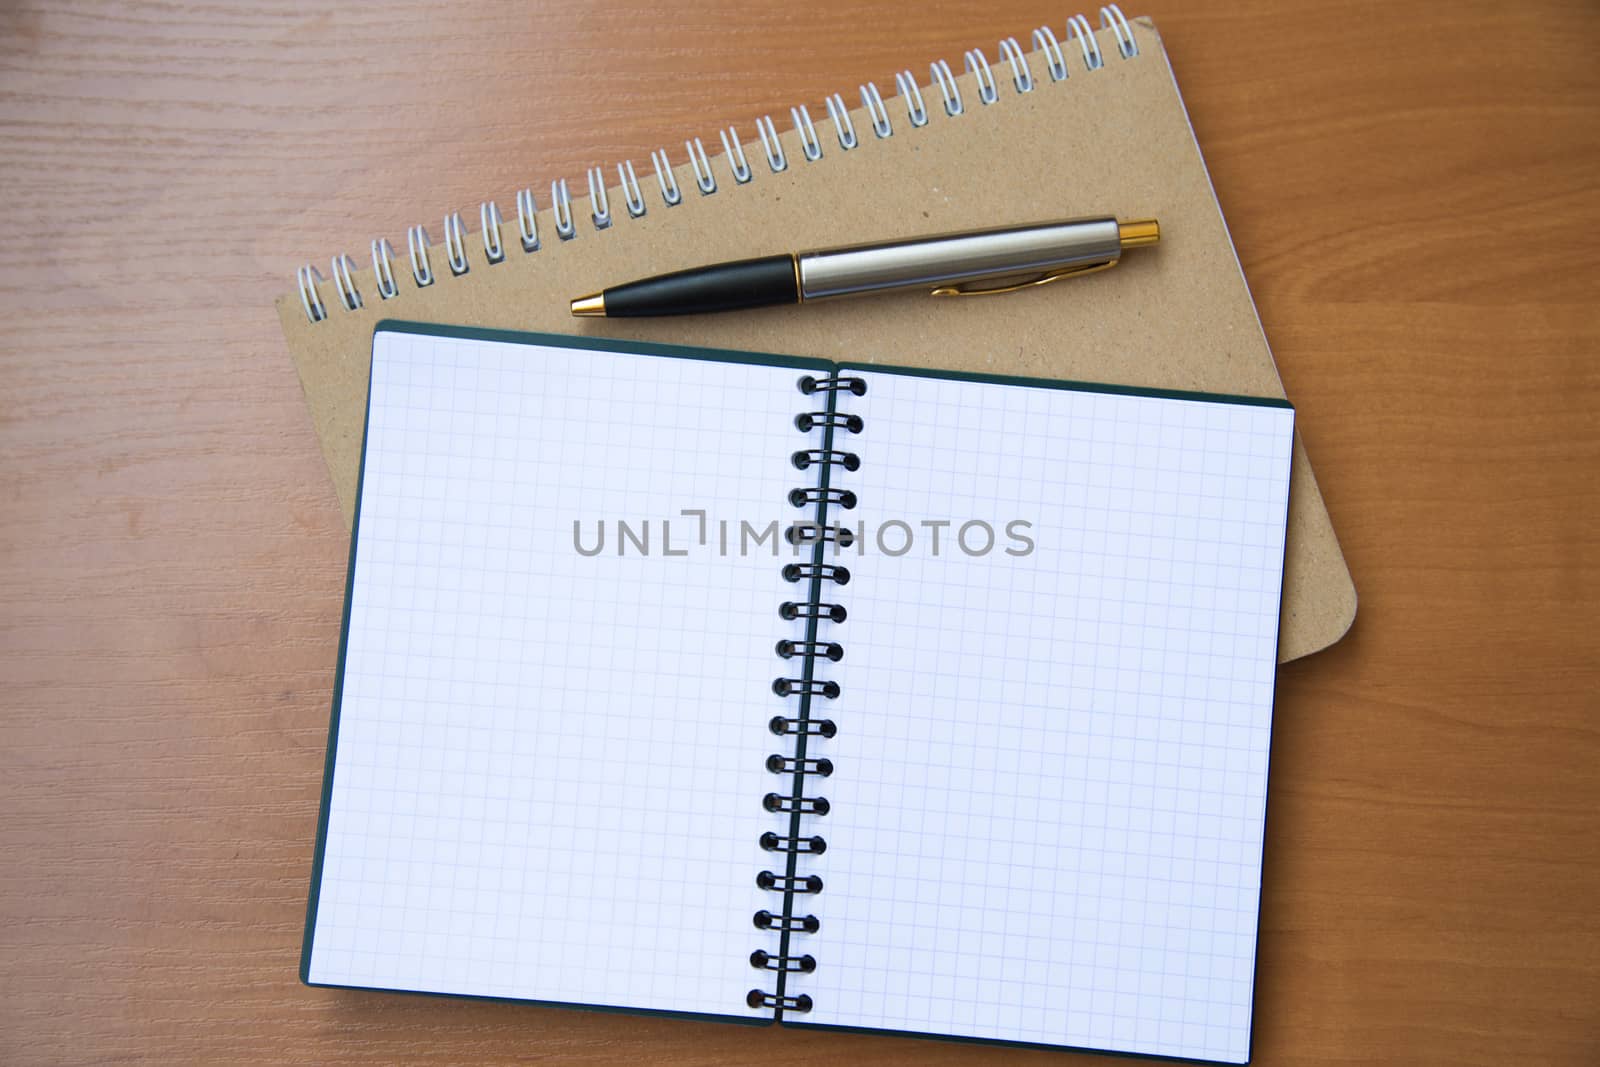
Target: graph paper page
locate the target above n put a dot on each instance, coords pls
(549, 766)
(1051, 766)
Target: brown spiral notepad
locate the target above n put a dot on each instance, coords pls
(1054, 124)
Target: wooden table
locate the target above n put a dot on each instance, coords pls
(172, 556)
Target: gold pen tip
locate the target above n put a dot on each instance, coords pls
(1139, 233)
(589, 307)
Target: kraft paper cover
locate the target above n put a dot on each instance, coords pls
(1113, 140)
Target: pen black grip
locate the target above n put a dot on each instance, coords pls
(746, 283)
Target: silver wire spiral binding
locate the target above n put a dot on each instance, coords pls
(947, 88)
(348, 296)
(906, 85)
(872, 100)
(599, 204)
(770, 143)
(632, 195)
(1078, 26)
(810, 146)
(842, 125)
(1021, 76)
(1045, 42)
(561, 201)
(701, 167)
(455, 244)
(978, 66)
(417, 244)
(733, 152)
(1112, 17)
(665, 178)
(383, 268)
(489, 226)
(306, 279)
(527, 220)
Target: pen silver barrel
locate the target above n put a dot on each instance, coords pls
(958, 257)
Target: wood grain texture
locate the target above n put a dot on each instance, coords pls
(1414, 190)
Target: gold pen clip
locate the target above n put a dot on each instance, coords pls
(1043, 279)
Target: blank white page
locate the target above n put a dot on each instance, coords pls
(548, 769)
(1051, 768)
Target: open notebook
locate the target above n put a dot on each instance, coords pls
(758, 687)
(1054, 123)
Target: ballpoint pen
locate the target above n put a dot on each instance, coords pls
(953, 264)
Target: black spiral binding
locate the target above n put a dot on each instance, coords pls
(801, 659)
(803, 459)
